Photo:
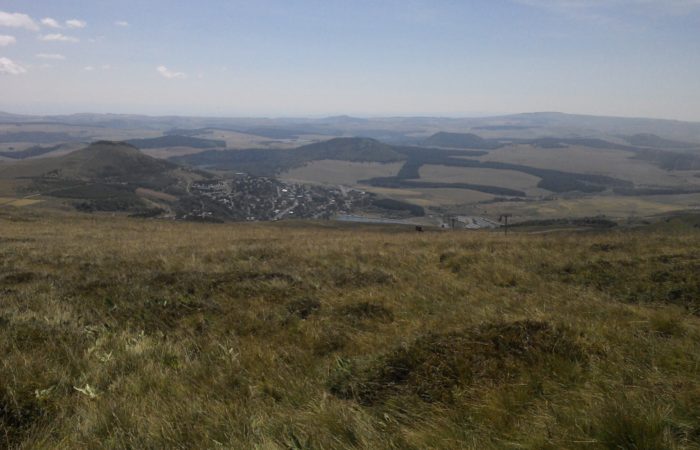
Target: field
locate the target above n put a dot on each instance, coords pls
(18, 202)
(493, 177)
(432, 197)
(38, 132)
(340, 172)
(238, 140)
(580, 159)
(125, 333)
(611, 205)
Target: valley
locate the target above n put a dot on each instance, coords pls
(333, 225)
(437, 168)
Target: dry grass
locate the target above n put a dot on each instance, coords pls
(120, 333)
(613, 206)
(18, 202)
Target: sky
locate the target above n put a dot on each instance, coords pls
(310, 58)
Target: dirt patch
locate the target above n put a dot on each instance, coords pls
(433, 365)
(17, 416)
(303, 307)
(19, 278)
(176, 278)
(365, 312)
(355, 277)
(605, 247)
(6, 240)
(329, 341)
(458, 262)
(155, 195)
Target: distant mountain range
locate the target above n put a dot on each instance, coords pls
(394, 129)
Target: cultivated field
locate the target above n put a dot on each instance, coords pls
(489, 177)
(340, 172)
(18, 202)
(614, 206)
(579, 159)
(124, 333)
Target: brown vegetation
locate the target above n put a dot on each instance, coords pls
(125, 333)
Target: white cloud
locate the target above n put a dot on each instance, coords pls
(121, 23)
(75, 23)
(54, 56)
(7, 40)
(51, 23)
(89, 68)
(57, 37)
(9, 67)
(167, 73)
(17, 20)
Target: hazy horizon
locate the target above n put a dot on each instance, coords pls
(620, 58)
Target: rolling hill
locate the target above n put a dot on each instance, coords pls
(269, 162)
(176, 141)
(100, 161)
(654, 141)
(460, 140)
(30, 152)
(104, 176)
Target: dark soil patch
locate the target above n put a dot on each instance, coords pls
(330, 341)
(366, 311)
(433, 365)
(605, 247)
(17, 416)
(353, 277)
(19, 278)
(303, 307)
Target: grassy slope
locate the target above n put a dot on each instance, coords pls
(120, 333)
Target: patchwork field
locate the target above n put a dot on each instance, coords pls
(434, 197)
(579, 159)
(611, 206)
(84, 133)
(235, 140)
(340, 172)
(18, 202)
(490, 177)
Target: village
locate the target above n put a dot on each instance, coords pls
(247, 198)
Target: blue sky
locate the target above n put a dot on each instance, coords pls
(360, 57)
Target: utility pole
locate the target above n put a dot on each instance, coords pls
(504, 219)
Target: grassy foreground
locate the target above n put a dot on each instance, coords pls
(125, 333)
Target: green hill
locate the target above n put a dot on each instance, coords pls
(116, 161)
(30, 152)
(104, 176)
(269, 162)
(351, 149)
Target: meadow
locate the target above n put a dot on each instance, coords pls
(127, 333)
